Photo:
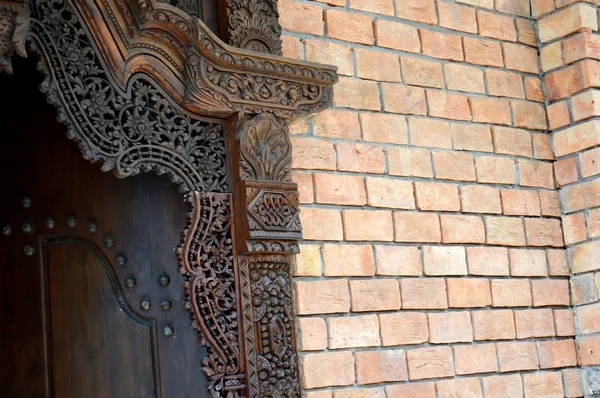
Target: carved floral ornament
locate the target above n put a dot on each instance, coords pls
(142, 85)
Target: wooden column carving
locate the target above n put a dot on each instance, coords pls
(141, 86)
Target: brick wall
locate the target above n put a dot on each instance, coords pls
(434, 263)
(569, 48)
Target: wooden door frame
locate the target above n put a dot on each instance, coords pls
(98, 55)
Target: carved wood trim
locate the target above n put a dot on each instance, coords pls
(142, 86)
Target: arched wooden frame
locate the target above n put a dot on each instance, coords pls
(136, 82)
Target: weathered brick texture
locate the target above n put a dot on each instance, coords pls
(450, 199)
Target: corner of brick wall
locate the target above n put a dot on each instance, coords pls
(434, 263)
(569, 52)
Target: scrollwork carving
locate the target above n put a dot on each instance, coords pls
(14, 26)
(206, 262)
(254, 25)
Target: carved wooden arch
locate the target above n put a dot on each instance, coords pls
(143, 85)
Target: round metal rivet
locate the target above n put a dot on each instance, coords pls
(130, 282)
(29, 250)
(121, 260)
(92, 226)
(109, 241)
(50, 223)
(164, 280)
(26, 202)
(168, 330)
(71, 221)
(166, 305)
(6, 230)
(27, 227)
(145, 304)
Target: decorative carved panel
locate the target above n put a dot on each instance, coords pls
(143, 85)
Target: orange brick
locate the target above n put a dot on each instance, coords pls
(381, 366)
(533, 89)
(582, 45)
(377, 392)
(420, 390)
(464, 78)
(421, 72)
(312, 153)
(472, 137)
(375, 295)
(456, 17)
(397, 36)
(567, 21)
(543, 384)
(573, 78)
(521, 58)
(512, 141)
(583, 289)
(381, 127)
(357, 94)
(450, 327)
(483, 52)
(589, 349)
(566, 171)
(516, 202)
(511, 293)
(534, 173)
(376, 65)
(350, 260)
(355, 331)
(336, 124)
(322, 297)
(558, 114)
(491, 261)
(403, 328)
(441, 45)
(327, 369)
(526, 32)
(541, 7)
(418, 10)
(589, 321)
(584, 257)
(349, 27)
(525, 262)
(362, 158)
(550, 203)
(305, 186)
(319, 394)
(402, 99)
(564, 322)
(572, 383)
(507, 231)
(430, 133)
(291, 47)
(469, 388)
(517, 356)
(448, 106)
(574, 228)
(462, 229)
(480, 358)
(495, 170)
(398, 260)
(437, 196)
(496, 26)
(417, 227)
(468, 293)
(308, 261)
(543, 232)
(593, 223)
(503, 386)
(321, 224)
(581, 196)
(409, 162)
(490, 110)
(326, 52)
(529, 115)
(454, 166)
(480, 199)
(557, 354)
(430, 362)
(368, 225)
(542, 148)
(493, 325)
(534, 323)
(376, 6)
(444, 260)
(429, 293)
(590, 162)
(301, 17)
(504, 84)
(313, 334)
(384, 192)
(340, 189)
(585, 105)
(551, 56)
(513, 7)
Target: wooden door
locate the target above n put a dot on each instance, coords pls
(90, 297)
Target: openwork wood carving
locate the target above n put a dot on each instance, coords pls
(142, 85)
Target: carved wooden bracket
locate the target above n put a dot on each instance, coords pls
(141, 86)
